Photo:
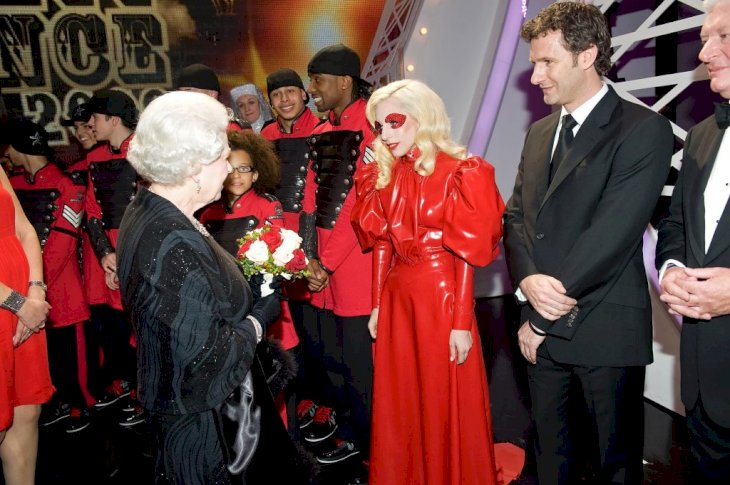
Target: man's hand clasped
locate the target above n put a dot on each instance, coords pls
(547, 295)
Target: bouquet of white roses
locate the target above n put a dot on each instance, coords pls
(272, 251)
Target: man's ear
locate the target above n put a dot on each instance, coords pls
(587, 58)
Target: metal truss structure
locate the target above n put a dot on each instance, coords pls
(678, 81)
(385, 60)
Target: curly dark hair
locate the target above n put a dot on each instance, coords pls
(263, 158)
(581, 25)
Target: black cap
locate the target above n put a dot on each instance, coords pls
(28, 137)
(114, 103)
(197, 76)
(77, 113)
(337, 60)
(282, 78)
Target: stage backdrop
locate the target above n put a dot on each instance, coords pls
(55, 53)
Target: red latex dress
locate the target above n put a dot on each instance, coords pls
(430, 419)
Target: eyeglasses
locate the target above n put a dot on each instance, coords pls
(242, 169)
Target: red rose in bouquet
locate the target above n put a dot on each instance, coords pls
(298, 262)
(272, 238)
(244, 247)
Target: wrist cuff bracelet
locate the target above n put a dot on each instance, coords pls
(257, 327)
(13, 302)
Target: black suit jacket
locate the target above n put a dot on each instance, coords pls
(586, 229)
(704, 344)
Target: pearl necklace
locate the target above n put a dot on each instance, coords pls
(196, 224)
(200, 228)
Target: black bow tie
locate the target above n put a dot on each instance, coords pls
(722, 115)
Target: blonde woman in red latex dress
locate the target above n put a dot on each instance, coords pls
(430, 214)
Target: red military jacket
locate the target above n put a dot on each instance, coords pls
(97, 208)
(301, 129)
(250, 212)
(55, 207)
(348, 293)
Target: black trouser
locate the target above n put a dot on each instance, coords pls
(357, 371)
(613, 397)
(710, 447)
(109, 333)
(319, 377)
(63, 359)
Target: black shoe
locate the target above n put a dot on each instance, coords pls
(342, 451)
(78, 420)
(53, 413)
(129, 404)
(133, 419)
(117, 390)
(324, 425)
(305, 413)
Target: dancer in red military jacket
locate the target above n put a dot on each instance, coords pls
(246, 205)
(54, 205)
(290, 134)
(112, 186)
(341, 271)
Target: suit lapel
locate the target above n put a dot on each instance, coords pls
(588, 137)
(706, 159)
(543, 152)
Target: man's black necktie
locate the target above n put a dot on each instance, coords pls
(722, 115)
(564, 140)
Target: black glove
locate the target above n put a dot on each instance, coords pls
(267, 309)
(258, 279)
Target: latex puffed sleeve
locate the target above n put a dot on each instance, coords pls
(382, 260)
(368, 218)
(473, 213)
(463, 296)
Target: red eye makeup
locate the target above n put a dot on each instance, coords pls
(395, 120)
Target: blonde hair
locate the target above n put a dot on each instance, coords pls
(434, 131)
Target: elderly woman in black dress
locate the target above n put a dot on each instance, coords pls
(190, 305)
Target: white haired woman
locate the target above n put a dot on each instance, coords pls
(430, 213)
(190, 305)
(248, 104)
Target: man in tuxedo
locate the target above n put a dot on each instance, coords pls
(693, 256)
(589, 177)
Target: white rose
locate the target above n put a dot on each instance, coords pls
(290, 241)
(258, 252)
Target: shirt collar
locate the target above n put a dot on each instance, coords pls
(580, 114)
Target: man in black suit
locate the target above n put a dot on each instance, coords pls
(589, 177)
(693, 255)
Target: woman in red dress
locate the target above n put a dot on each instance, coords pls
(25, 380)
(430, 213)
